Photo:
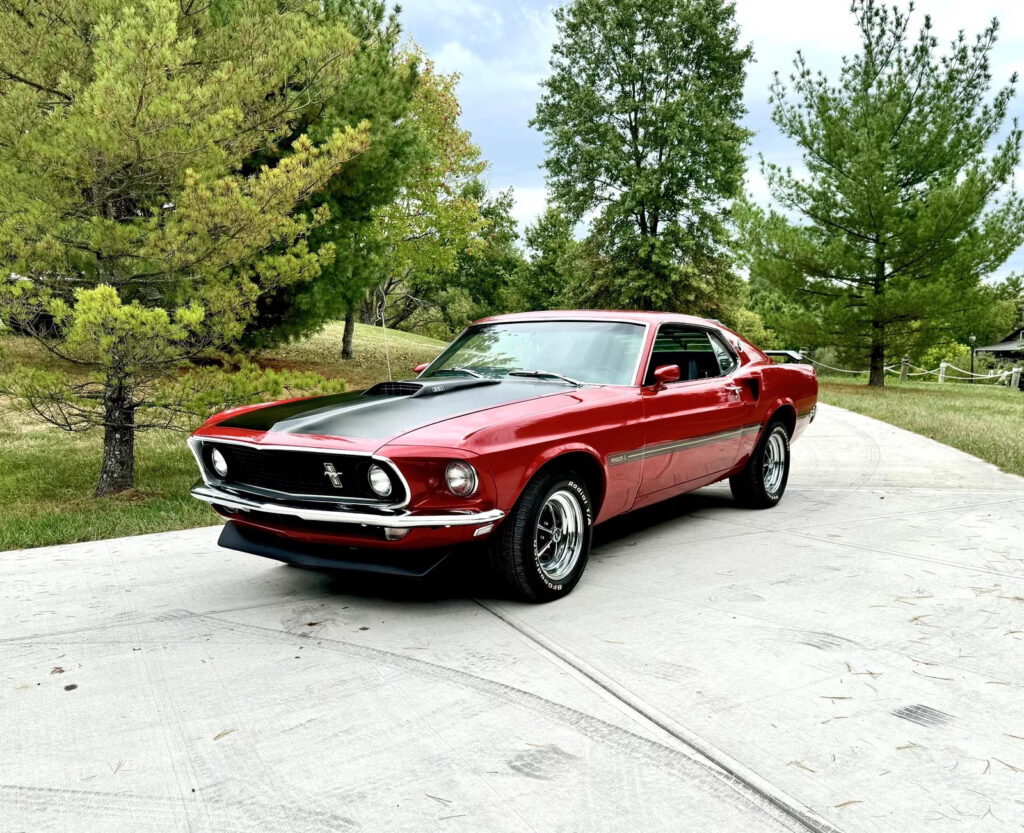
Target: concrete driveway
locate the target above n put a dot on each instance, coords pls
(852, 660)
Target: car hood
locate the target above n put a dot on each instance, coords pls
(367, 420)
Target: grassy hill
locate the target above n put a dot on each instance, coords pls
(47, 476)
(322, 354)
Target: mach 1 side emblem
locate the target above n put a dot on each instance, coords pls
(331, 474)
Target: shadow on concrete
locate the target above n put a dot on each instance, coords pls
(651, 517)
(466, 575)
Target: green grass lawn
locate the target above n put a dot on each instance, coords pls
(47, 476)
(322, 354)
(981, 419)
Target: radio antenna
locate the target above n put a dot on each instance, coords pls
(384, 327)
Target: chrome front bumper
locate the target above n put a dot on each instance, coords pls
(398, 520)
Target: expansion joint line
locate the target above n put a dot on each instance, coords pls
(740, 774)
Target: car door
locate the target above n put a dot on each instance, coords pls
(693, 427)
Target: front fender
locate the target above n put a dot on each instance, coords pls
(553, 453)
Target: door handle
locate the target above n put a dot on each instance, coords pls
(737, 389)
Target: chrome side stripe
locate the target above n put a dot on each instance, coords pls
(681, 445)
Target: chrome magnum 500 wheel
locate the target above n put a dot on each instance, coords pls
(558, 535)
(541, 549)
(762, 482)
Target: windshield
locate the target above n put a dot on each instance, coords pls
(597, 352)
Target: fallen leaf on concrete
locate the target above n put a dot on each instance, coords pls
(222, 734)
(57, 670)
(1008, 766)
(930, 676)
(846, 804)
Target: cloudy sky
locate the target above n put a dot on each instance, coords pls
(501, 48)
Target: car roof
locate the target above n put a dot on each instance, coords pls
(636, 316)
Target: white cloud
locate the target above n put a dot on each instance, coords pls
(452, 13)
(530, 202)
(491, 76)
(756, 186)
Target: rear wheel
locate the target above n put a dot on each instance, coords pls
(763, 480)
(542, 548)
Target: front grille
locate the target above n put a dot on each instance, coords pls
(301, 472)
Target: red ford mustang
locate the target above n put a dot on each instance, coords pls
(525, 432)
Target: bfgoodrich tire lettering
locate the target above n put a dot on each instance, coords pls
(542, 548)
(763, 480)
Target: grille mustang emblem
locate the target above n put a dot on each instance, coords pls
(331, 474)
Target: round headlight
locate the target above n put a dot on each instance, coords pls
(379, 481)
(461, 477)
(220, 465)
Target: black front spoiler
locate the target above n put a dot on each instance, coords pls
(409, 564)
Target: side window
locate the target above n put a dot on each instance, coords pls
(690, 348)
(726, 360)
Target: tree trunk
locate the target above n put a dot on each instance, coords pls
(876, 379)
(366, 310)
(118, 471)
(350, 328)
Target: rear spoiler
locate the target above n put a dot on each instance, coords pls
(789, 355)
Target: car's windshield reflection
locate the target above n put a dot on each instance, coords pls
(565, 352)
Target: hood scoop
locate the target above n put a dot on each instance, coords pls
(428, 387)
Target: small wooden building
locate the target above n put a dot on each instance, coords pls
(1009, 349)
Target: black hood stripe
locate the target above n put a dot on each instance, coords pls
(378, 417)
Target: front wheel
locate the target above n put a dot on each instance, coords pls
(763, 480)
(542, 548)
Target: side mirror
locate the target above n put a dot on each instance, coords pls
(420, 368)
(666, 373)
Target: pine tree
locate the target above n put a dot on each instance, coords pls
(908, 202)
(133, 237)
(380, 88)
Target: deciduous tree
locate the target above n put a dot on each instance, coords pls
(641, 116)
(436, 218)
(543, 282)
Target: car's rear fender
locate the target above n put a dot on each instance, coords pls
(794, 410)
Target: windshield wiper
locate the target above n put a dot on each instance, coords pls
(546, 374)
(465, 370)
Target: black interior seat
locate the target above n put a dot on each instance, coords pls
(693, 364)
